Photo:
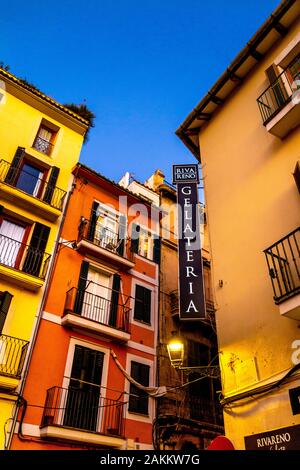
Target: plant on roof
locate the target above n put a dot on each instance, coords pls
(83, 111)
(4, 66)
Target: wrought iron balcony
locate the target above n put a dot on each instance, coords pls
(283, 259)
(31, 184)
(83, 409)
(101, 236)
(278, 94)
(25, 258)
(101, 310)
(12, 356)
(43, 146)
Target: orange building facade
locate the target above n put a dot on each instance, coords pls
(98, 328)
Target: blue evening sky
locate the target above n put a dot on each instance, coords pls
(140, 65)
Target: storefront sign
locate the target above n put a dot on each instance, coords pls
(277, 439)
(191, 289)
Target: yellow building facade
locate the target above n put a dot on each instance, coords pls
(246, 133)
(40, 142)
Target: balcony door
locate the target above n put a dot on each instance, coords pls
(82, 409)
(96, 300)
(107, 230)
(11, 237)
(30, 179)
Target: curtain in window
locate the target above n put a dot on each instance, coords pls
(45, 134)
(11, 236)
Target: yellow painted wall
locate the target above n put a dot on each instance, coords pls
(252, 201)
(19, 124)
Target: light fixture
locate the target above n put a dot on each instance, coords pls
(175, 349)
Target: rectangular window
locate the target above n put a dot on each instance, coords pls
(45, 137)
(142, 305)
(11, 243)
(138, 400)
(145, 244)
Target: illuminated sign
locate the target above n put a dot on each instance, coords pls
(191, 288)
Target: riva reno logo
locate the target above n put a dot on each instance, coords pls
(185, 173)
(191, 289)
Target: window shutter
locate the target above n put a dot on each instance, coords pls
(138, 400)
(142, 306)
(156, 250)
(5, 301)
(12, 173)
(297, 175)
(147, 305)
(135, 238)
(93, 221)
(113, 315)
(81, 287)
(51, 187)
(35, 252)
(122, 234)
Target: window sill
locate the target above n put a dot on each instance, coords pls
(142, 322)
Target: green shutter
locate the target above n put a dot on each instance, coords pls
(138, 400)
(156, 250)
(13, 171)
(5, 301)
(81, 287)
(48, 196)
(35, 252)
(93, 221)
(142, 305)
(122, 234)
(113, 315)
(135, 238)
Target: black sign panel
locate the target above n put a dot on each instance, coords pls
(294, 394)
(191, 288)
(278, 439)
(185, 173)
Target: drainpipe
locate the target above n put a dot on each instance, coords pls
(38, 322)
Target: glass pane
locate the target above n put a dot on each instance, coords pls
(29, 179)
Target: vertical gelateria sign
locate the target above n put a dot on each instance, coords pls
(191, 289)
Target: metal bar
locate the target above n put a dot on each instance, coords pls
(98, 309)
(83, 409)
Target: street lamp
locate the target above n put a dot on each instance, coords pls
(175, 349)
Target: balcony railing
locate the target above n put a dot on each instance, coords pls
(83, 409)
(12, 355)
(32, 185)
(278, 94)
(283, 259)
(43, 146)
(108, 312)
(101, 236)
(25, 258)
